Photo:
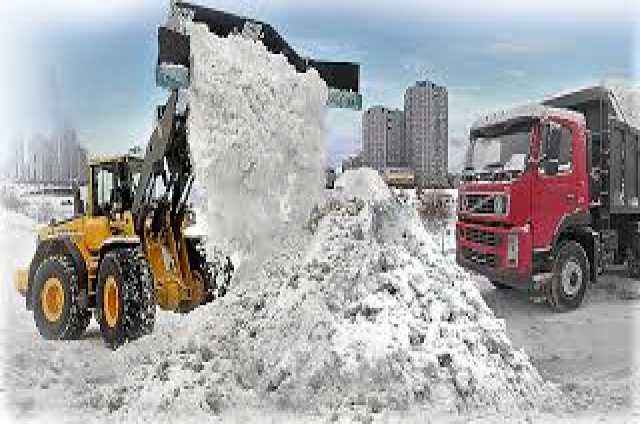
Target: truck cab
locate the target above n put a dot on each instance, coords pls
(532, 202)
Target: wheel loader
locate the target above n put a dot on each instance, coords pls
(126, 250)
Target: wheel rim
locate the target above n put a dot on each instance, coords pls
(111, 301)
(52, 299)
(572, 278)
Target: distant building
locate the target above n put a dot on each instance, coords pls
(57, 158)
(353, 162)
(426, 125)
(396, 140)
(383, 137)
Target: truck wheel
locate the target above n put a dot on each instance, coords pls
(500, 286)
(56, 308)
(571, 273)
(125, 297)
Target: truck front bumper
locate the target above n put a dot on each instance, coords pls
(484, 249)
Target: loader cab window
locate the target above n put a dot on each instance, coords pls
(104, 181)
(114, 186)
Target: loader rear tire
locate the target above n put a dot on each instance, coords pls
(571, 274)
(56, 307)
(125, 297)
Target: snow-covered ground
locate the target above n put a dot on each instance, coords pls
(202, 366)
(41, 207)
(350, 311)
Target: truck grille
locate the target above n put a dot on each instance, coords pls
(486, 259)
(480, 203)
(478, 236)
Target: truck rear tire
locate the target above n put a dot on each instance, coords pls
(571, 271)
(125, 297)
(56, 307)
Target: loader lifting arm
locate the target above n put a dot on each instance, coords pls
(166, 157)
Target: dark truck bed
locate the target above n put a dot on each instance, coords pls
(615, 148)
(614, 166)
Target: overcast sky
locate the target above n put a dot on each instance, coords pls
(91, 63)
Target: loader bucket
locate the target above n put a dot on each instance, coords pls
(342, 78)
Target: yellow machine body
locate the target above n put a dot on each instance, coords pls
(176, 286)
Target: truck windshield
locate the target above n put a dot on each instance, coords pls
(508, 151)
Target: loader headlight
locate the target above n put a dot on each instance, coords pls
(500, 205)
(512, 249)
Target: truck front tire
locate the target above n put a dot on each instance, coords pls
(571, 274)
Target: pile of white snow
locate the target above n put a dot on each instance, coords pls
(257, 139)
(346, 308)
(359, 315)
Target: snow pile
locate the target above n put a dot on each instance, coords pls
(257, 139)
(359, 315)
(364, 183)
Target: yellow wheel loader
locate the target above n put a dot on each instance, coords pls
(128, 252)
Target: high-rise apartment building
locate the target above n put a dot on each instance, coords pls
(426, 124)
(383, 138)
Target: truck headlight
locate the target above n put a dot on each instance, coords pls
(512, 249)
(500, 205)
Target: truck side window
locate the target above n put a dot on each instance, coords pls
(565, 160)
(565, 151)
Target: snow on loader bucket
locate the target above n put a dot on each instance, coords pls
(342, 78)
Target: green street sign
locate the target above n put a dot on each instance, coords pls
(344, 99)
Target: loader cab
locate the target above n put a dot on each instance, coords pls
(113, 182)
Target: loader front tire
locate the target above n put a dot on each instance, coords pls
(125, 297)
(56, 307)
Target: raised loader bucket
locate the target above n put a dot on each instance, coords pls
(342, 78)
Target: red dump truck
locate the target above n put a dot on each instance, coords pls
(550, 196)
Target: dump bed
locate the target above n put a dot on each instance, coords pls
(614, 147)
